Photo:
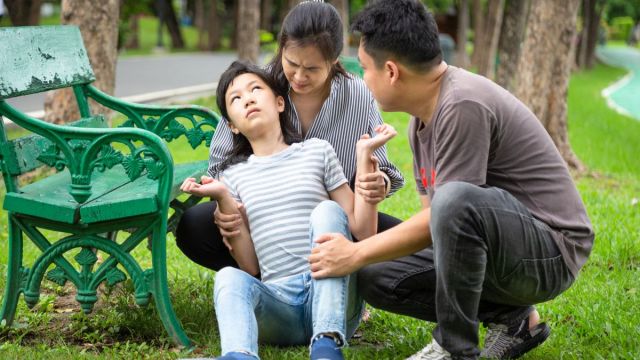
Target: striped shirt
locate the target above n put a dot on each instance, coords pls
(348, 112)
(279, 192)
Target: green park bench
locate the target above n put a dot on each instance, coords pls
(106, 180)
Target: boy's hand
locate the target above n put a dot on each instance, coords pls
(367, 144)
(208, 187)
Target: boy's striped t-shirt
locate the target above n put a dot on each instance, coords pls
(279, 193)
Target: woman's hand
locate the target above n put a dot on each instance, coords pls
(229, 224)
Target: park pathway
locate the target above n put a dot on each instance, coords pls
(623, 95)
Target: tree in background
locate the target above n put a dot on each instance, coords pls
(544, 67)
(98, 23)
(248, 21)
(24, 12)
(511, 36)
(488, 42)
(130, 12)
(591, 16)
(462, 59)
(167, 15)
(343, 9)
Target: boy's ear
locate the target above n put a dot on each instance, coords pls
(280, 103)
(233, 128)
(392, 71)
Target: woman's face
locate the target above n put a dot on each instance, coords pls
(305, 68)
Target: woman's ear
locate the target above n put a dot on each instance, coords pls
(280, 103)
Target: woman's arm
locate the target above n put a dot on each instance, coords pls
(221, 143)
(242, 248)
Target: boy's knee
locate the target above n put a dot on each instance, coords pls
(228, 277)
(328, 216)
(326, 208)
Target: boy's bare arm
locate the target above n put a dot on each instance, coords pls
(241, 245)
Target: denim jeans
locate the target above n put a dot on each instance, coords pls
(491, 261)
(290, 310)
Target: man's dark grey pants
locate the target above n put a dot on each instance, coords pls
(491, 260)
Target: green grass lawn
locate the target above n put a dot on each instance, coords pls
(598, 318)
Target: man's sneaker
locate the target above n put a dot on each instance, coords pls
(503, 342)
(325, 348)
(433, 351)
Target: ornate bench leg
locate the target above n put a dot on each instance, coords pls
(14, 275)
(161, 291)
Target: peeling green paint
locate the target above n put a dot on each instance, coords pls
(33, 60)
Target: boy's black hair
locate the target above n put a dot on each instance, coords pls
(241, 149)
(401, 29)
(310, 23)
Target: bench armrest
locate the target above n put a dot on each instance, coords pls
(163, 120)
(83, 150)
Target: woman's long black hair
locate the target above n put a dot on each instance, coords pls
(241, 149)
(309, 23)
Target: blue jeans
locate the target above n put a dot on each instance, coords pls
(290, 310)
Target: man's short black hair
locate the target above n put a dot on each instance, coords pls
(401, 29)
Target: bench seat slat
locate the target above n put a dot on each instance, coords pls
(113, 196)
(138, 197)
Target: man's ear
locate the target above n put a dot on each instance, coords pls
(280, 103)
(392, 71)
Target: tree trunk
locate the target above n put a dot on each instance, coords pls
(544, 68)
(588, 8)
(462, 59)
(343, 10)
(200, 23)
(487, 56)
(248, 22)
(592, 39)
(133, 40)
(24, 12)
(511, 36)
(265, 15)
(214, 26)
(478, 30)
(98, 23)
(236, 24)
(177, 41)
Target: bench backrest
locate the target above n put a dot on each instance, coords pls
(25, 153)
(34, 61)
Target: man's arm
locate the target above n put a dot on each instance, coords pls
(336, 256)
(424, 200)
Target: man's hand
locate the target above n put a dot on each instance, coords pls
(334, 256)
(371, 186)
(229, 224)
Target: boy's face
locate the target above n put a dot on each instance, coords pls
(377, 80)
(252, 106)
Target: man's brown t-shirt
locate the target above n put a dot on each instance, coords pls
(483, 135)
